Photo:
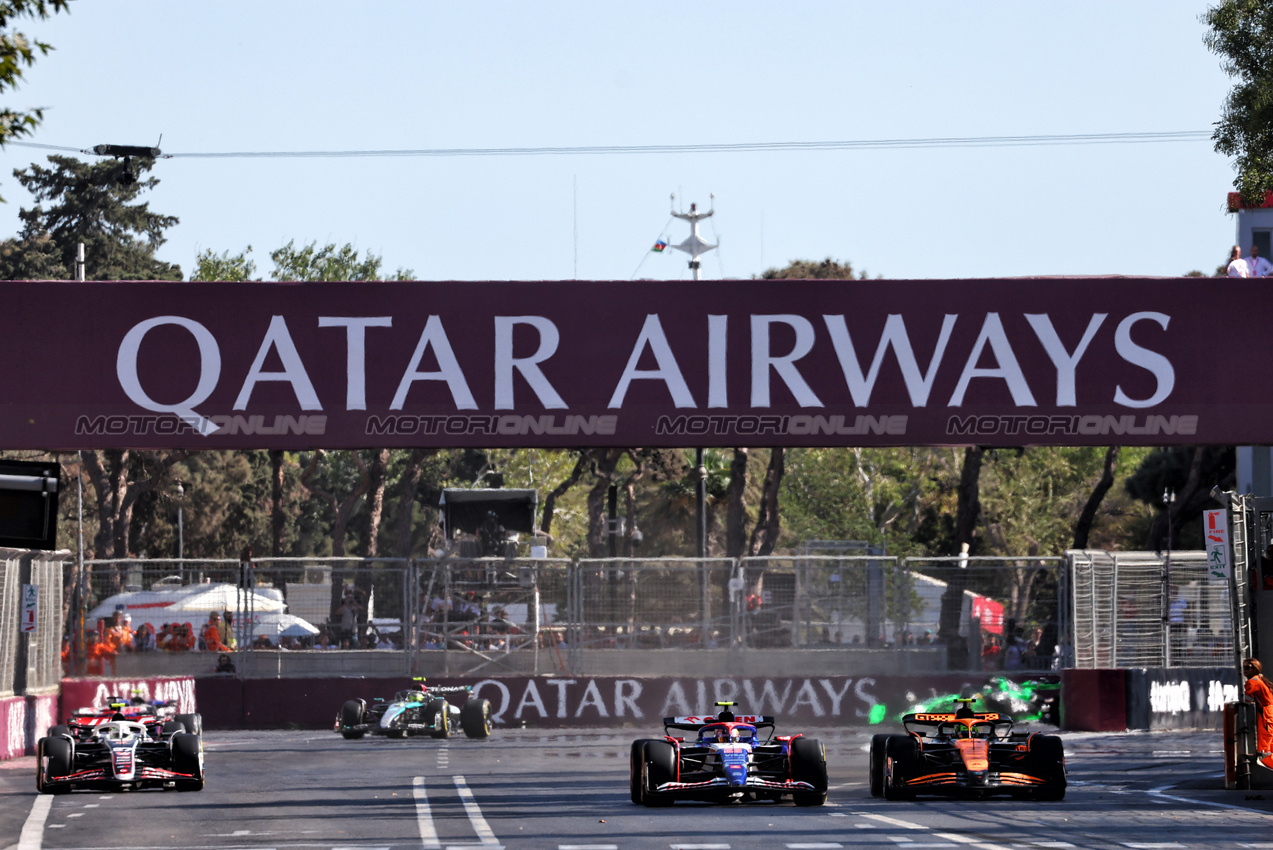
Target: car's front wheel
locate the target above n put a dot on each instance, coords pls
(475, 718)
(809, 764)
(440, 718)
(187, 758)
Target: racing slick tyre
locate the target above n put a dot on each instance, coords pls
(878, 743)
(55, 758)
(59, 730)
(171, 727)
(439, 717)
(351, 715)
(809, 764)
(658, 765)
(192, 722)
(636, 766)
(1049, 758)
(901, 758)
(187, 757)
(475, 718)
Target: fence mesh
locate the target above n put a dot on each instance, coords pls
(30, 662)
(1144, 609)
(528, 616)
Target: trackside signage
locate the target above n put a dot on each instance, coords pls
(1060, 361)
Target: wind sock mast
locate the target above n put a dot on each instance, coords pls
(695, 246)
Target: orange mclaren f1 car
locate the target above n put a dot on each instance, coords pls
(966, 753)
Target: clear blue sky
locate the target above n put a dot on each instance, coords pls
(312, 75)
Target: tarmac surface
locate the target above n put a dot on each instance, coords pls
(568, 790)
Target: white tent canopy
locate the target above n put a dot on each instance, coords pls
(186, 604)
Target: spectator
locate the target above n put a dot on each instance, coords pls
(348, 615)
(212, 634)
(163, 640)
(224, 665)
(1257, 688)
(262, 642)
(1237, 266)
(225, 630)
(323, 641)
(1258, 266)
(144, 639)
(118, 634)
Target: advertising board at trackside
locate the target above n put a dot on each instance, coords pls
(1059, 361)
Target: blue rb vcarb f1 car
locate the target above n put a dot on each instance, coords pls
(725, 759)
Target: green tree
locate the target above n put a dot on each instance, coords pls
(17, 52)
(328, 263)
(96, 204)
(213, 266)
(1242, 34)
(827, 269)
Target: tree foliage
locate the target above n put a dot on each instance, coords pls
(311, 262)
(96, 204)
(1242, 34)
(18, 52)
(827, 269)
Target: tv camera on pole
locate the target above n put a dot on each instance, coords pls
(695, 245)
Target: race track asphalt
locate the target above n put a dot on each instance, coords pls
(567, 790)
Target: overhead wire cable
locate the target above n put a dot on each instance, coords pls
(723, 147)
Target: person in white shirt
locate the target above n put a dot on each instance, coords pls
(1258, 266)
(1237, 265)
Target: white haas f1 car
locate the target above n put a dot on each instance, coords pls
(418, 710)
(968, 754)
(120, 755)
(725, 760)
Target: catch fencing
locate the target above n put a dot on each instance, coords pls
(1148, 609)
(31, 618)
(488, 616)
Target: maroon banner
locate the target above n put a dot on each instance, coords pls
(604, 701)
(1057, 361)
(96, 693)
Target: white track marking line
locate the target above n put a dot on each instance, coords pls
(32, 837)
(480, 826)
(700, 847)
(825, 845)
(424, 816)
(587, 847)
(904, 824)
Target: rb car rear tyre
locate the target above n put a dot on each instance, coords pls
(876, 763)
(809, 764)
(192, 722)
(636, 770)
(901, 757)
(658, 765)
(475, 718)
(60, 730)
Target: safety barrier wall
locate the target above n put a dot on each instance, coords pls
(1180, 698)
(608, 701)
(23, 721)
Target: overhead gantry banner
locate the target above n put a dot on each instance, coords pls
(1055, 361)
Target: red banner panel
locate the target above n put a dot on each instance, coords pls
(1057, 361)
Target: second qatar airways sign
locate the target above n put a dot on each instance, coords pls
(302, 365)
